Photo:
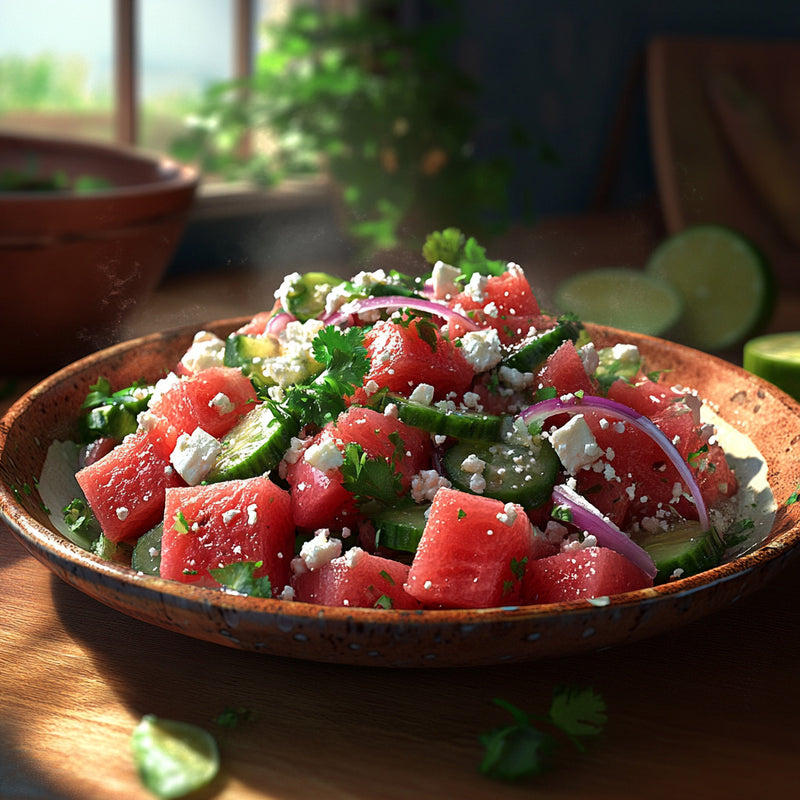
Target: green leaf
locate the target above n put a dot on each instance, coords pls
(515, 752)
(578, 712)
(240, 577)
(369, 478)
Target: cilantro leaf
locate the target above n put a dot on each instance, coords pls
(112, 414)
(578, 712)
(516, 751)
(240, 577)
(345, 363)
(452, 247)
(522, 750)
(370, 478)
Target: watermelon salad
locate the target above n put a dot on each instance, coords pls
(405, 442)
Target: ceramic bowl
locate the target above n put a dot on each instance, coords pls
(393, 637)
(74, 265)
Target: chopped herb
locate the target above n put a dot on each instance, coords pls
(345, 361)
(240, 577)
(384, 601)
(369, 478)
(518, 567)
(794, 496)
(84, 529)
(522, 750)
(231, 717)
(452, 247)
(113, 414)
(461, 513)
(386, 576)
(563, 513)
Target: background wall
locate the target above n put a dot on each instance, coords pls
(560, 69)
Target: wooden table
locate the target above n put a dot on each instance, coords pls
(708, 710)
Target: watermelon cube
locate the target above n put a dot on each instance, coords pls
(126, 487)
(212, 525)
(581, 574)
(473, 552)
(357, 579)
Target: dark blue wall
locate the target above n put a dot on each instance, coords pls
(560, 68)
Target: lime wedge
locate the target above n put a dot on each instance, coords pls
(776, 358)
(622, 297)
(173, 758)
(726, 284)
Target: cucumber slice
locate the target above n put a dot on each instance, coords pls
(532, 353)
(727, 285)
(255, 445)
(249, 353)
(400, 528)
(513, 472)
(470, 425)
(776, 358)
(683, 550)
(622, 297)
(304, 295)
(146, 556)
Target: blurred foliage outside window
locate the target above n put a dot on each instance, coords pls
(379, 107)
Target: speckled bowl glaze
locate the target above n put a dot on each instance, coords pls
(379, 637)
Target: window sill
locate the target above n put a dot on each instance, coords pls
(219, 201)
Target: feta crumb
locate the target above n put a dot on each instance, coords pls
(222, 403)
(252, 514)
(482, 349)
(426, 483)
(443, 278)
(194, 455)
(353, 556)
(319, 550)
(423, 394)
(575, 444)
(207, 350)
(122, 513)
(473, 464)
(324, 455)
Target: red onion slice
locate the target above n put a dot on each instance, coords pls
(572, 404)
(398, 301)
(588, 518)
(278, 322)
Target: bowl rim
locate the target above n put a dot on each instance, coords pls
(173, 175)
(36, 536)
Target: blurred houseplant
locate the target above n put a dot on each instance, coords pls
(378, 107)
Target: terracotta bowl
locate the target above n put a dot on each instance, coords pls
(392, 637)
(74, 265)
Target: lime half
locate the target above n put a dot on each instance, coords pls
(776, 358)
(622, 297)
(726, 284)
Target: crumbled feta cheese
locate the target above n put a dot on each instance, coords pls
(476, 286)
(443, 279)
(194, 455)
(319, 550)
(473, 465)
(575, 444)
(230, 515)
(222, 403)
(477, 483)
(207, 350)
(324, 455)
(122, 513)
(514, 379)
(370, 387)
(353, 556)
(423, 394)
(426, 483)
(626, 353)
(590, 358)
(287, 593)
(482, 349)
(508, 515)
